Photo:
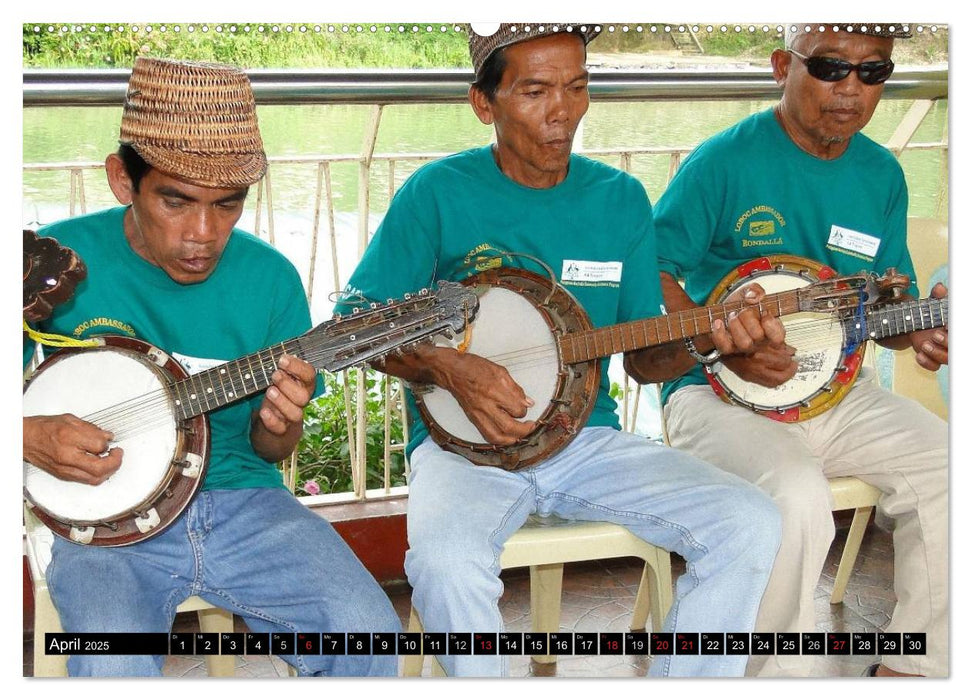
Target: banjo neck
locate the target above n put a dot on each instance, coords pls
(900, 318)
(334, 345)
(582, 346)
(229, 382)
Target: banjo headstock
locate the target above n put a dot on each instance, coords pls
(844, 293)
(51, 272)
(892, 284)
(375, 330)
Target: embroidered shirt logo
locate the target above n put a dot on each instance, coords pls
(761, 228)
(757, 224)
(115, 326)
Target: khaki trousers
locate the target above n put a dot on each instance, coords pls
(885, 440)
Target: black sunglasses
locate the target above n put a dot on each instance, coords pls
(832, 70)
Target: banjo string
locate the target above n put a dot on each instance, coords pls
(146, 411)
(127, 416)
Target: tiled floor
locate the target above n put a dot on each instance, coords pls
(599, 597)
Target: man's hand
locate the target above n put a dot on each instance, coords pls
(752, 345)
(490, 397)
(290, 390)
(931, 345)
(70, 448)
(278, 424)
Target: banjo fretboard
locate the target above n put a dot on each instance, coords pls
(229, 382)
(900, 318)
(583, 346)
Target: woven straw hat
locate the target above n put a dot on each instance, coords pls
(482, 46)
(194, 121)
(887, 30)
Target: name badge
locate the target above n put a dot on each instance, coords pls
(848, 239)
(591, 271)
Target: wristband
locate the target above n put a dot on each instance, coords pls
(708, 359)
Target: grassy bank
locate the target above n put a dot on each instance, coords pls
(368, 45)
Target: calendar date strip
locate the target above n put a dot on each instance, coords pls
(484, 643)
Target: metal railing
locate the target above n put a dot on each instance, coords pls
(44, 87)
(47, 88)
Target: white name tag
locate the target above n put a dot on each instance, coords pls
(848, 239)
(591, 271)
(194, 365)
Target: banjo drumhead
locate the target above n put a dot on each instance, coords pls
(818, 339)
(511, 332)
(100, 379)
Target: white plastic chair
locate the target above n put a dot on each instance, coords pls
(39, 540)
(545, 545)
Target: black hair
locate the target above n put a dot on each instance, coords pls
(490, 75)
(135, 165)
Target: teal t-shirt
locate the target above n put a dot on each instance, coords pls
(456, 213)
(253, 299)
(750, 192)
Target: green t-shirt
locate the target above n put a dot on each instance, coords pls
(455, 213)
(253, 299)
(750, 192)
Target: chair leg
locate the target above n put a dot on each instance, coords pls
(852, 547)
(218, 621)
(545, 593)
(662, 588)
(642, 604)
(654, 593)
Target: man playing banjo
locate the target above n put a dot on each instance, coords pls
(799, 180)
(170, 268)
(528, 202)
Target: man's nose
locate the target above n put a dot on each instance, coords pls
(201, 228)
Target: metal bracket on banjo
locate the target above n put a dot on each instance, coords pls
(192, 465)
(157, 356)
(82, 535)
(147, 521)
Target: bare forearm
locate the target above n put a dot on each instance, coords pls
(426, 364)
(273, 448)
(670, 360)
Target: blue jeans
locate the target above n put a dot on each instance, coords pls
(256, 552)
(460, 515)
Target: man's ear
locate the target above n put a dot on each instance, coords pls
(781, 60)
(118, 180)
(481, 105)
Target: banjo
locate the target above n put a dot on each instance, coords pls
(539, 332)
(51, 272)
(829, 347)
(156, 410)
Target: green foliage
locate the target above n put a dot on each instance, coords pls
(371, 45)
(743, 43)
(323, 454)
(244, 44)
